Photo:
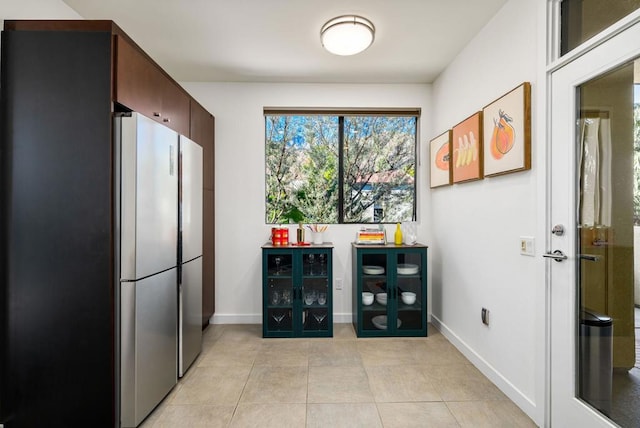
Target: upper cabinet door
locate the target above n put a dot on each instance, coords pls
(136, 80)
(202, 132)
(175, 106)
(141, 86)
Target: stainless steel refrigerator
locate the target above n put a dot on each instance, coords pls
(190, 255)
(148, 254)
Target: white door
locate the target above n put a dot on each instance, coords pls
(592, 197)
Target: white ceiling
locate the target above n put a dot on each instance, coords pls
(278, 40)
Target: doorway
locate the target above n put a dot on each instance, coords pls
(594, 133)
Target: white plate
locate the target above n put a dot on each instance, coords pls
(373, 270)
(380, 322)
(408, 269)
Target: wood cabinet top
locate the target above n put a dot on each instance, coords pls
(65, 25)
(270, 246)
(61, 24)
(98, 25)
(389, 246)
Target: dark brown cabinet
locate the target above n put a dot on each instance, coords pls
(202, 132)
(143, 87)
(135, 80)
(62, 83)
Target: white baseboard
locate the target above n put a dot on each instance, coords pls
(514, 394)
(236, 319)
(342, 318)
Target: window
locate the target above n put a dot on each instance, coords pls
(349, 167)
(583, 19)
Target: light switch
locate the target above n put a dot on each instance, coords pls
(527, 246)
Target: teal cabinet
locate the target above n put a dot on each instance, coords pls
(297, 299)
(389, 290)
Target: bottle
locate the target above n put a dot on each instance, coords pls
(397, 237)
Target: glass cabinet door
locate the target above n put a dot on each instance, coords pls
(279, 295)
(375, 299)
(409, 270)
(389, 295)
(315, 291)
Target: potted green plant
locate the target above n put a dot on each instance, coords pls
(292, 215)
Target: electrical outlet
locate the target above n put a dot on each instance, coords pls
(484, 315)
(338, 283)
(527, 246)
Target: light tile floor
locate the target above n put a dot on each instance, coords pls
(243, 380)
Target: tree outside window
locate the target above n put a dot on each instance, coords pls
(340, 168)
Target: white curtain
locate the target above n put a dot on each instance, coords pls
(595, 171)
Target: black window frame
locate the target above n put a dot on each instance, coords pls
(341, 114)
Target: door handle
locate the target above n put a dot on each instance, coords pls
(589, 257)
(557, 255)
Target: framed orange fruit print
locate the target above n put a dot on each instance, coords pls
(440, 165)
(466, 149)
(507, 132)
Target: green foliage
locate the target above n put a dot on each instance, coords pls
(293, 215)
(302, 168)
(379, 168)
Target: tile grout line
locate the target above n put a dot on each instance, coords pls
(452, 414)
(235, 409)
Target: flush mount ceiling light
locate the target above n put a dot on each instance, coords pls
(347, 35)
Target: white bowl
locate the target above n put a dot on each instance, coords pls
(367, 298)
(380, 322)
(373, 270)
(408, 269)
(381, 298)
(408, 298)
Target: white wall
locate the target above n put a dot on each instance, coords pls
(476, 226)
(36, 9)
(240, 182)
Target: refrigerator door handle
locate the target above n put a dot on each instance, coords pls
(172, 160)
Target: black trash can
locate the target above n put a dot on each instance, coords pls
(596, 359)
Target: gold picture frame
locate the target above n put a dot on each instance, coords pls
(440, 156)
(466, 149)
(507, 132)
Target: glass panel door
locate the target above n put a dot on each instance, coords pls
(375, 299)
(280, 292)
(605, 140)
(409, 291)
(315, 291)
